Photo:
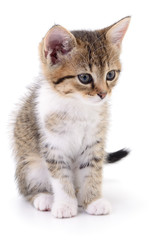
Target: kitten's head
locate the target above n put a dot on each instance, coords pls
(83, 64)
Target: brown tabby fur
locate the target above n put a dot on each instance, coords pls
(93, 53)
(90, 55)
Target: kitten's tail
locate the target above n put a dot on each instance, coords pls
(116, 156)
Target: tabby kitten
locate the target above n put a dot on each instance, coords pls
(60, 129)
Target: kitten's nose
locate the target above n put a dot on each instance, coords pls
(102, 94)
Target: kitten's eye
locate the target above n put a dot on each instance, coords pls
(85, 78)
(110, 75)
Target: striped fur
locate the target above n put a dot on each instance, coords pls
(60, 129)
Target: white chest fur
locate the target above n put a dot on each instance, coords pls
(80, 127)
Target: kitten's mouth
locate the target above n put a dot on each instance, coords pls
(97, 99)
(89, 99)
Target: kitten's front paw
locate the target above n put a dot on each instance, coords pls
(64, 210)
(99, 207)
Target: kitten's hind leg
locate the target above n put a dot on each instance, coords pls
(33, 181)
(42, 201)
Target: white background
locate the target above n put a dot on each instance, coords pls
(128, 185)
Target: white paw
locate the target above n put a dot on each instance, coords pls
(64, 210)
(43, 202)
(99, 207)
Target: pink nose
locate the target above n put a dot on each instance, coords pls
(102, 94)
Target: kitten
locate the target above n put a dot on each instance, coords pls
(60, 129)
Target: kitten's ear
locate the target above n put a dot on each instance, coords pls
(58, 42)
(117, 31)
